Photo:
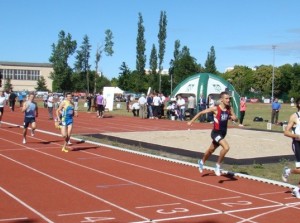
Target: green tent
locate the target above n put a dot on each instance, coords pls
(207, 84)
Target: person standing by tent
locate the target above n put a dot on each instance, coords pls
(242, 110)
(222, 113)
(2, 105)
(202, 106)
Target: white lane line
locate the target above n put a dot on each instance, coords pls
(157, 205)
(184, 178)
(265, 213)
(110, 175)
(74, 187)
(224, 198)
(26, 205)
(80, 213)
(278, 192)
(114, 185)
(14, 219)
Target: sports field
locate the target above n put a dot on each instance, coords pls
(102, 183)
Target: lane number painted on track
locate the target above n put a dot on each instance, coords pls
(96, 219)
(172, 211)
(237, 203)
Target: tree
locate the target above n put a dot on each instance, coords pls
(61, 52)
(41, 84)
(162, 35)
(7, 84)
(210, 66)
(124, 77)
(108, 49)
(140, 55)
(82, 65)
(173, 62)
(153, 76)
(241, 77)
(184, 66)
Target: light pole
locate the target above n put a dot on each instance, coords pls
(273, 47)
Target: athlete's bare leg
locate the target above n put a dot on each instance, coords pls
(224, 150)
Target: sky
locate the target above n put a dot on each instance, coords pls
(241, 31)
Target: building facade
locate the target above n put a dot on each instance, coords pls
(24, 76)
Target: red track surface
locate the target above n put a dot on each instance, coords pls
(39, 183)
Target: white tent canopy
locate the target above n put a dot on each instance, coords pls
(118, 90)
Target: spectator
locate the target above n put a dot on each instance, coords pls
(143, 105)
(12, 100)
(211, 103)
(275, 111)
(21, 99)
(75, 100)
(50, 103)
(242, 111)
(89, 102)
(45, 98)
(150, 106)
(136, 109)
(202, 106)
(156, 106)
(181, 107)
(191, 106)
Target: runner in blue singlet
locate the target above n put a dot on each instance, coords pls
(65, 114)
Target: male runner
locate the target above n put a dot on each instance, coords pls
(30, 110)
(293, 131)
(222, 113)
(64, 114)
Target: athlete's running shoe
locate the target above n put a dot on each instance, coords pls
(200, 163)
(296, 192)
(64, 149)
(32, 132)
(217, 170)
(285, 174)
(69, 143)
(24, 141)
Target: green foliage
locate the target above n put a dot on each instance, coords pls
(184, 66)
(61, 52)
(140, 47)
(7, 84)
(108, 47)
(241, 77)
(82, 65)
(210, 66)
(41, 84)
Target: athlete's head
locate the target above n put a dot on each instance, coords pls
(298, 104)
(69, 96)
(225, 98)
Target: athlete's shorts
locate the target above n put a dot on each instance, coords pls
(27, 121)
(296, 149)
(67, 122)
(1, 110)
(217, 136)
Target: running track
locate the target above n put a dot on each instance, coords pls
(98, 183)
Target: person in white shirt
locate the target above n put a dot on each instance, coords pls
(143, 106)
(2, 104)
(50, 103)
(156, 106)
(181, 107)
(162, 106)
(135, 109)
(191, 105)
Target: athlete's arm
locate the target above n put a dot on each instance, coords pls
(36, 110)
(291, 123)
(61, 105)
(25, 106)
(208, 110)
